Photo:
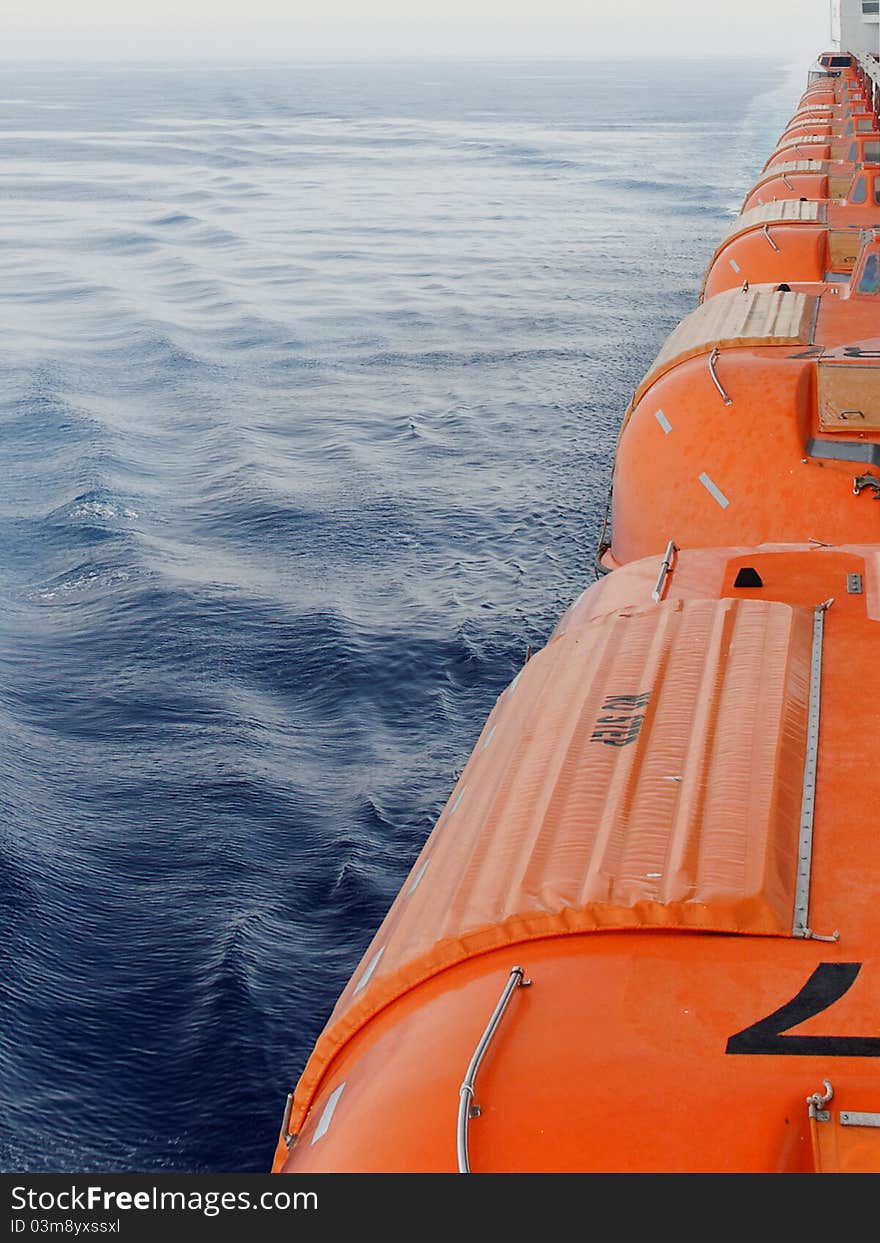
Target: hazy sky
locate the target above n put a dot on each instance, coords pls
(344, 29)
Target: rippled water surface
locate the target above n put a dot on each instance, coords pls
(310, 384)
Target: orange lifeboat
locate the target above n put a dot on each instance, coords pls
(811, 147)
(810, 122)
(643, 882)
(760, 416)
(648, 905)
(807, 127)
(795, 239)
(813, 180)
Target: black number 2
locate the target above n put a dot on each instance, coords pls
(826, 985)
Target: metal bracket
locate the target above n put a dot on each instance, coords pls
(809, 935)
(867, 481)
(818, 1099)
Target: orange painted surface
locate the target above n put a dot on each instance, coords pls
(630, 826)
(793, 252)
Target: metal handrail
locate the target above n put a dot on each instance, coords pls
(769, 238)
(466, 1107)
(728, 401)
(286, 1134)
(665, 570)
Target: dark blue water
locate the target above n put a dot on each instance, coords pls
(310, 384)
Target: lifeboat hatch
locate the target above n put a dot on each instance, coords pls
(849, 397)
(838, 186)
(843, 249)
(845, 1141)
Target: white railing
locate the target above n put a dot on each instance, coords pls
(871, 66)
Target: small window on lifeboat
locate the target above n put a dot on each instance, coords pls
(869, 281)
(877, 191)
(853, 152)
(864, 125)
(871, 153)
(858, 191)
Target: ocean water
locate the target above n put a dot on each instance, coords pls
(311, 378)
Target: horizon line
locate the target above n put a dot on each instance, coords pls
(405, 58)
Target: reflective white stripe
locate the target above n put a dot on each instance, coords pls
(488, 738)
(457, 801)
(512, 686)
(733, 263)
(327, 1116)
(663, 421)
(418, 876)
(714, 491)
(368, 971)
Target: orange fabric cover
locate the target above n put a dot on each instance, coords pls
(581, 810)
